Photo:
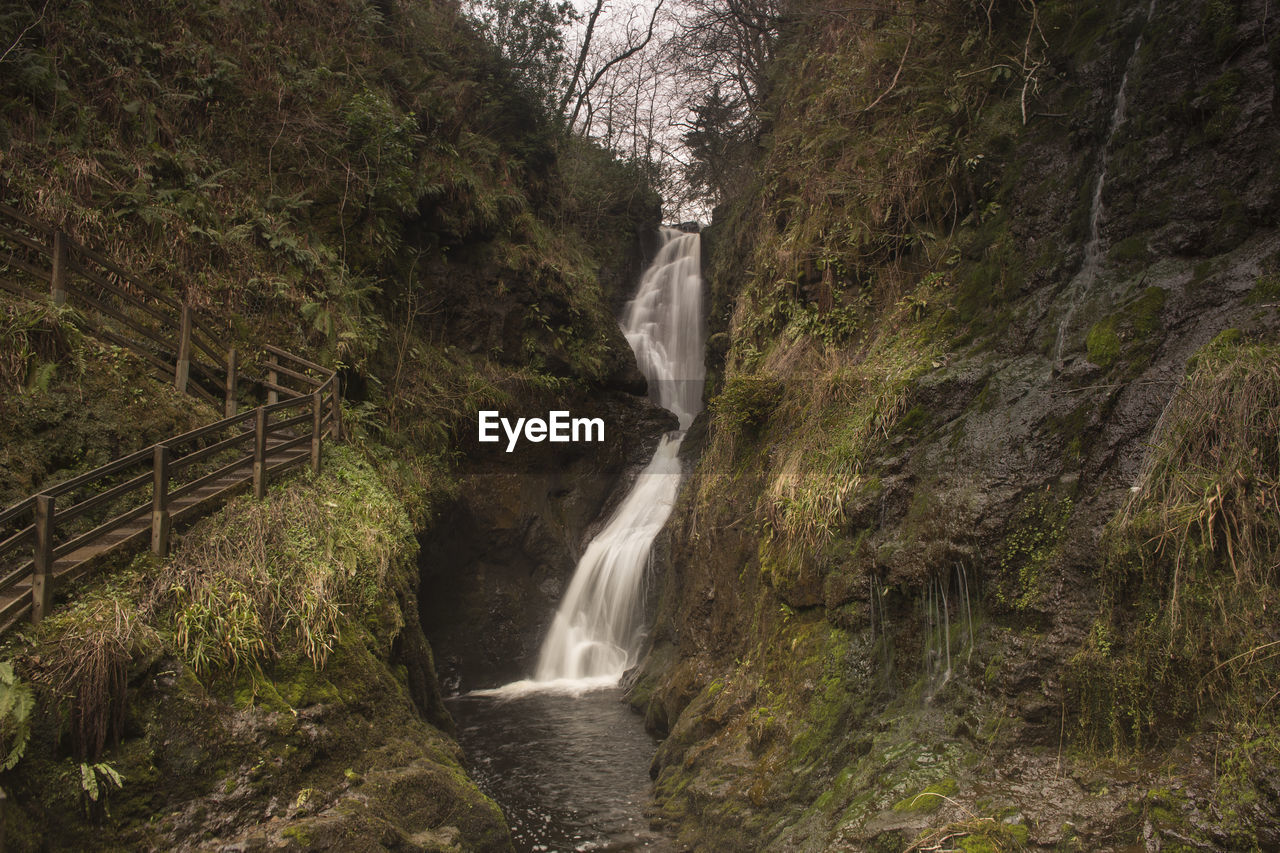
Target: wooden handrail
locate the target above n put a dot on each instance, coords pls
(76, 510)
(14, 213)
(19, 538)
(135, 301)
(19, 237)
(211, 450)
(174, 343)
(97, 473)
(111, 267)
(17, 509)
(212, 476)
(310, 365)
(294, 374)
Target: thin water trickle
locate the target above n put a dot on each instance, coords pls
(936, 604)
(1082, 282)
(968, 608)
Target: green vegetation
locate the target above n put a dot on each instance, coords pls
(1190, 565)
(281, 576)
(1029, 550)
(1130, 332)
(370, 185)
(1103, 344)
(746, 402)
(16, 702)
(930, 799)
(267, 608)
(1266, 290)
(355, 181)
(71, 420)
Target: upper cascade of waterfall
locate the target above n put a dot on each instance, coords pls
(664, 325)
(598, 630)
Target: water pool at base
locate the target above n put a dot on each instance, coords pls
(571, 772)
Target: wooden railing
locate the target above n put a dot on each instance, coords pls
(50, 539)
(40, 262)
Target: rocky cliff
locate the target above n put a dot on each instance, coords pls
(982, 539)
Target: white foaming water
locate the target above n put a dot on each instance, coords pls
(599, 627)
(1083, 280)
(664, 326)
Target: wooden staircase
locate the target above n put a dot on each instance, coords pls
(51, 539)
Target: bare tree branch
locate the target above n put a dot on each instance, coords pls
(624, 55)
(28, 28)
(582, 57)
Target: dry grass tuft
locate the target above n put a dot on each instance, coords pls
(1208, 495)
(265, 577)
(87, 666)
(1191, 562)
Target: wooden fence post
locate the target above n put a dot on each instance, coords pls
(274, 379)
(182, 371)
(231, 383)
(335, 419)
(260, 454)
(160, 502)
(42, 575)
(58, 278)
(316, 426)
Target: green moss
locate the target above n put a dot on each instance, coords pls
(746, 401)
(1266, 290)
(299, 684)
(915, 419)
(1223, 345)
(298, 835)
(1218, 21)
(987, 286)
(930, 799)
(1129, 250)
(1028, 550)
(1127, 333)
(1143, 314)
(1103, 344)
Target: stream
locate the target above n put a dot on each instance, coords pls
(571, 772)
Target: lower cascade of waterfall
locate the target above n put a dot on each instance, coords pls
(599, 627)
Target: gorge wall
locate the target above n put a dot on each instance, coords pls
(933, 576)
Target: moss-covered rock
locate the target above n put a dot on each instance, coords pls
(302, 739)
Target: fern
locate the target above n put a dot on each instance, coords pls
(16, 703)
(90, 774)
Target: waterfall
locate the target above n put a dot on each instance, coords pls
(1083, 280)
(597, 631)
(663, 325)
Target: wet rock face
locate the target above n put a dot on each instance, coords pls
(1024, 450)
(498, 559)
